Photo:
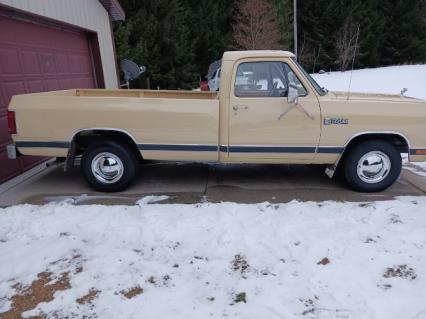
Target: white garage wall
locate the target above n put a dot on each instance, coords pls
(88, 14)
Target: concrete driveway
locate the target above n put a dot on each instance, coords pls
(192, 183)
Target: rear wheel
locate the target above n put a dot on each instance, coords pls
(109, 167)
(372, 166)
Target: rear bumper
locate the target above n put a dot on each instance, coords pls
(12, 152)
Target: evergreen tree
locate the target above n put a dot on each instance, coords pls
(391, 31)
(405, 34)
(284, 10)
(210, 30)
(156, 34)
(318, 22)
(371, 21)
(178, 39)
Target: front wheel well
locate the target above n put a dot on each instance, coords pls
(397, 140)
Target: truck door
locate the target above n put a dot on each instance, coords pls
(263, 124)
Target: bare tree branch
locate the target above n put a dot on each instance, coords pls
(255, 27)
(346, 46)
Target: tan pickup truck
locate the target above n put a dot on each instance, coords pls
(268, 110)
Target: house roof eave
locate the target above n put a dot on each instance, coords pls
(114, 9)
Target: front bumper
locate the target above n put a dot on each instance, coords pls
(12, 152)
(417, 155)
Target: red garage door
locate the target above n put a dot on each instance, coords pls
(34, 58)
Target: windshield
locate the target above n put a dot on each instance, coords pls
(318, 88)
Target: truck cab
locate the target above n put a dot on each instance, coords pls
(270, 108)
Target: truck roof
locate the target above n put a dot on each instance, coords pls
(236, 55)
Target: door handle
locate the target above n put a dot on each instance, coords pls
(240, 107)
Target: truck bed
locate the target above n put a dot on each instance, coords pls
(158, 121)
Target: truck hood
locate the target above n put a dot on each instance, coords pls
(373, 97)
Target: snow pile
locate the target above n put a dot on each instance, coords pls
(389, 80)
(152, 199)
(297, 260)
(418, 168)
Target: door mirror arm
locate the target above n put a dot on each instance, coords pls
(308, 114)
(293, 100)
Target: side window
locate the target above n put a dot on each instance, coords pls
(260, 79)
(265, 79)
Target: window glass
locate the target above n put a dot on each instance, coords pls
(265, 79)
(260, 79)
(318, 88)
(293, 80)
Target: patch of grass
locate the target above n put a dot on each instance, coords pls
(400, 271)
(89, 297)
(132, 292)
(324, 261)
(40, 290)
(240, 264)
(241, 297)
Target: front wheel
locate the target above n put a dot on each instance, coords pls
(109, 167)
(372, 166)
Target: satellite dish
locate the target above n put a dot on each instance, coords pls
(131, 71)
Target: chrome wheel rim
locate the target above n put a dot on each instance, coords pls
(374, 167)
(107, 168)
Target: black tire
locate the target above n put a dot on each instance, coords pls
(351, 160)
(129, 165)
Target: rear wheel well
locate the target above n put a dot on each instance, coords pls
(84, 139)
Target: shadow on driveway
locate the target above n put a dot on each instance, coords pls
(194, 182)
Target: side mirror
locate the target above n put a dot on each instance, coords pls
(293, 94)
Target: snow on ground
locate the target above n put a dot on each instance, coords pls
(418, 168)
(381, 80)
(297, 260)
